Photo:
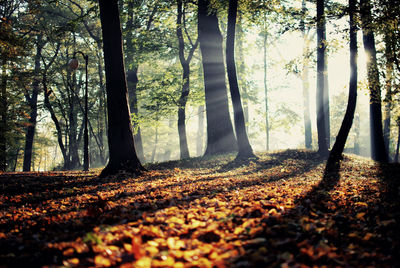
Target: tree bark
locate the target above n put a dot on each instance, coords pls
(323, 147)
(220, 136)
(185, 62)
(378, 149)
(32, 102)
(338, 147)
(245, 149)
(121, 144)
(266, 90)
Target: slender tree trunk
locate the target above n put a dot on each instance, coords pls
(121, 144)
(266, 90)
(56, 122)
(185, 62)
(337, 149)
(323, 138)
(3, 111)
(220, 136)
(200, 130)
(305, 82)
(245, 149)
(32, 101)
(388, 99)
(378, 149)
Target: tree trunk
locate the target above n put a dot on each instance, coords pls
(3, 111)
(378, 149)
(32, 102)
(200, 130)
(337, 149)
(55, 120)
(305, 82)
(220, 136)
(120, 136)
(266, 90)
(388, 100)
(245, 149)
(185, 62)
(241, 72)
(323, 147)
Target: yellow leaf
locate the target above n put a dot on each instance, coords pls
(144, 262)
(101, 261)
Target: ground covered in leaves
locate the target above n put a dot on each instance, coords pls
(280, 210)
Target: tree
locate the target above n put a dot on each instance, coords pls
(244, 146)
(378, 149)
(32, 100)
(120, 136)
(322, 116)
(341, 138)
(220, 136)
(185, 62)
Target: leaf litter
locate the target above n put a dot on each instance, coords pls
(280, 210)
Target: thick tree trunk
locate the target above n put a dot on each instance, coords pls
(32, 102)
(220, 136)
(337, 149)
(388, 84)
(120, 136)
(378, 149)
(3, 111)
(323, 139)
(245, 149)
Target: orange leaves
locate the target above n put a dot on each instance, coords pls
(255, 214)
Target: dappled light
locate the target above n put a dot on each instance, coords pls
(280, 209)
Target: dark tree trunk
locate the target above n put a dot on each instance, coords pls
(378, 149)
(120, 136)
(220, 136)
(3, 111)
(32, 102)
(337, 149)
(185, 62)
(245, 149)
(323, 139)
(388, 100)
(200, 130)
(241, 72)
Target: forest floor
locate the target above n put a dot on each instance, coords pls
(280, 210)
